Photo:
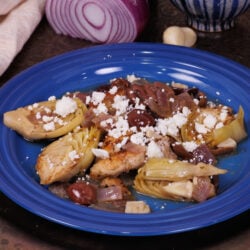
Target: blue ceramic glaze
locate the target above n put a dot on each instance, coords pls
(212, 15)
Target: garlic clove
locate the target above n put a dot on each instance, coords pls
(182, 36)
(174, 35)
(190, 36)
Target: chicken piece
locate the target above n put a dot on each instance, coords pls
(67, 156)
(46, 120)
(119, 162)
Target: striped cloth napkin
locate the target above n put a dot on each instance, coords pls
(18, 19)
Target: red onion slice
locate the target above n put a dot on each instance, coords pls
(98, 21)
(111, 193)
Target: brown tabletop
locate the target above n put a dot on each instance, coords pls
(20, 229)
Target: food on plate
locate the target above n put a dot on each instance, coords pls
(176, 180)
(71, 154)
(46, 120)
(134, 136)
(137, 207)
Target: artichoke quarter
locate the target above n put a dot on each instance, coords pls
(67, 156)
(46, 120)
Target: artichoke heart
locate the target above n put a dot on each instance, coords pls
(46, 120)
(214, 125)
(175, 170)
(234, 130)
(174, 179)
(67, 156)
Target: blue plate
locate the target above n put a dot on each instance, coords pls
(85, 69)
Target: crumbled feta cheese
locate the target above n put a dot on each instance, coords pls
(200, 128)
(196, 101)
(219, 125)
(100, 153)
(121, 127)
(139, 105)
(59, 121)
(38, 115)
(186, 111)
(97, 97)
(190, 146)
(223, 114)
(210, 121)
(113, 90)
(47, 110)
(73, 155)
(101, 108)
(179, 119)
(120, 104)
(166, 127)
(106, 122)
(52, 98)
(47, 119)
(49, 126)
(138, 138)
(132, 78)
(88, 99)
(153, 150)
(65, 106)
(119, 145)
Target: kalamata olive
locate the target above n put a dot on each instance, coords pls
(82, 193)
(140, 118)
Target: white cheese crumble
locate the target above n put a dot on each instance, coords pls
(138, 105)
(65, 106)
(73, 155)
(119, 145)
(38, 115)
(101, 108)
(52, 98)
(49, 126)
(113, 90)
(100, 153)
(121, 128)
(210, 121)
(201, 128)
(132, 78)
(120, 104)
(46, 118)
(138, 138)
(153, 150)
(97, 97)
(189, 146)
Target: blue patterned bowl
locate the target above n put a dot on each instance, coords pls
(212, 15)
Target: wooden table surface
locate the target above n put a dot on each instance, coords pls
(21, 230)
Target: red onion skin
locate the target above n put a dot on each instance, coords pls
(141, 13)
(120, 21)
(111, 193)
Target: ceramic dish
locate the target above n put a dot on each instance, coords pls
(220, 78)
